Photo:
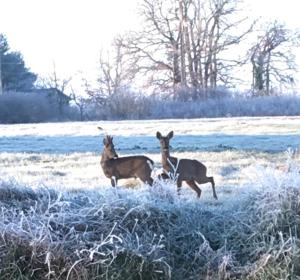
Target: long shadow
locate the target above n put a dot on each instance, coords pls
(149, 144)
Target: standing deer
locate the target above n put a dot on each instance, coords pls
(117, 168)
(187, 170)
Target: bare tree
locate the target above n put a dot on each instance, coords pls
(182, 42)
(57, 89)
(81, 102)
(272, 58)
(114, 75)
(154, 52)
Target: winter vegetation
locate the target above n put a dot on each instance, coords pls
(187, 59)
(61, 219)
(32, 107)
(139, 107)
(199, 68)
(18, 107)
(152, 233)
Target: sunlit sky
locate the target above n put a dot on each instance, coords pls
(71, 33)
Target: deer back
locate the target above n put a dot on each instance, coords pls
(127, 167)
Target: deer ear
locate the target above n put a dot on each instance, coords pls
(158, 135)
(104, 141)
(170, 134)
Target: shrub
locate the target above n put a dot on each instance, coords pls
(152, 233)
(17, 107)
(129, 105)
(33, 107)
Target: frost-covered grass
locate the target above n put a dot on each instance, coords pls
(83, 170)
(151, 233)
(268, 134)
(203, 126)
(67, 155)
(60, 218)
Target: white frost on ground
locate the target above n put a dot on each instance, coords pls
(67, 155)
(230, 126)
(257, 182)
(267, 134)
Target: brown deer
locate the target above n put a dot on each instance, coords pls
(187, 170)
(116, 168)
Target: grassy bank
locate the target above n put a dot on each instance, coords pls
(152, 233)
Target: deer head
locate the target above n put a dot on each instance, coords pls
(109, 148)
(164, 140)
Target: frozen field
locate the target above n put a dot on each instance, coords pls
(61, 219)
(67, 155)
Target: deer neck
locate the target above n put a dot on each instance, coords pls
(104, 157)
(165, 158)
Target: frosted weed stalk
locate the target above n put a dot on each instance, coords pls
(151, 233)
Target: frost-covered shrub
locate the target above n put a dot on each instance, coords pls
(227, 107)
(151, 233)
(24, 108)
(19, 107)
(126, 105)
(33, 107)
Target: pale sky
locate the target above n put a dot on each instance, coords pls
(70, 33)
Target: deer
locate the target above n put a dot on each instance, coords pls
(188, 170)
(115, 167)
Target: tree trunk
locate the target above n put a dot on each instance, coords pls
(176, 68)
(190, 59)
(268, 74)
(182, 47)
(1, 88)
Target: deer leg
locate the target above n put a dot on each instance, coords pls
(146, 179)
(179, 184)
(114, 181)
(150, 181)
(144, 174)
(208, 180)
(211, 179)
(163, 176)
(193, 185)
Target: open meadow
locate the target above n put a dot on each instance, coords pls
(61, 219)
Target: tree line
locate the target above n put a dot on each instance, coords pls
(26, 98)
(185, 50)
(190, 47)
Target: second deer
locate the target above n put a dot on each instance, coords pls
(188, 170)
(116, 168)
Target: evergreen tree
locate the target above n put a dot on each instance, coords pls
(15, 75)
